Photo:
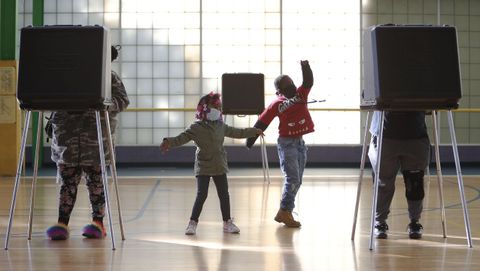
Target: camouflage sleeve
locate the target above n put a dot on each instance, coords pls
(119, 95)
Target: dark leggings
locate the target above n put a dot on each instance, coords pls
(202, 192)
(70, 177)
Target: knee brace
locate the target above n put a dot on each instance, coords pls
(414, 184)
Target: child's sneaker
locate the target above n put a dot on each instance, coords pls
(58, 232)
(415, 230)
(191, 228)
(229, 227)
(381, 229)
(96, 230)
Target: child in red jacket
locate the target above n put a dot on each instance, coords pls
(291, 108)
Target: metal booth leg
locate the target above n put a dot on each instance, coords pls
(376, 180)
(35, 174)
(263, 148)
(113, 172)
(360, 178)
(263, 159)
(17, 177)
(439, 172)
(459, 178)
(104, 175)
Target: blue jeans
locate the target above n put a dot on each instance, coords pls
(292, 154)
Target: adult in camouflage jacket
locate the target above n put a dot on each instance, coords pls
(75, 151)
(75, 140)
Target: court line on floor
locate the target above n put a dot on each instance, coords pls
(155, 187)
(149, 198)
(139, 214)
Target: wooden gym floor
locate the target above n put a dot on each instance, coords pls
(156, 210)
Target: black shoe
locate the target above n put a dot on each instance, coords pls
(415, 230)
(381, 229)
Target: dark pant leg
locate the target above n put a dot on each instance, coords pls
(390, 164)
(96, 191)
(415, 156)
(202, 193)
(70, 178)
(221, 184)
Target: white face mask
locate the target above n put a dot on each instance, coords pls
(214, 114)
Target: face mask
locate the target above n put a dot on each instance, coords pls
(214, 114)
(289, 91)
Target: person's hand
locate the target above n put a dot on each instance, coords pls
(164, 146)
(259, 131)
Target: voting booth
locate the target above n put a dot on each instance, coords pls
(65, 68)
(244, 94)
(411, 67)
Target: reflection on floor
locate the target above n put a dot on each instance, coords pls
(156, 211)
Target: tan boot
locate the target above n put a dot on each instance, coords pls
(284, 216)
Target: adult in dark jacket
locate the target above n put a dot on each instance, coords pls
(405, 147)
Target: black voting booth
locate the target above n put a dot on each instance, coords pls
(244, 94)
(65, 68)
(411, 67)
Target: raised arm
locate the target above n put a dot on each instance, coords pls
(307, 74)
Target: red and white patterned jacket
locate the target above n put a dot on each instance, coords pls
(295, 119)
